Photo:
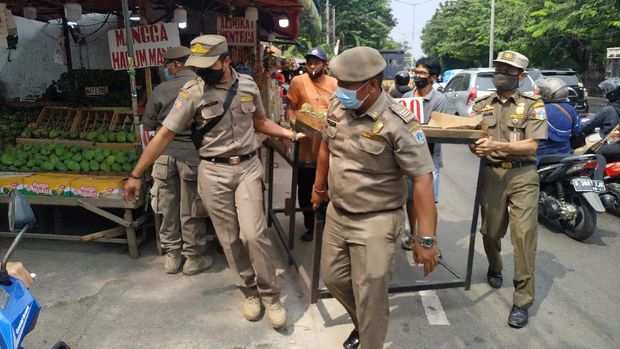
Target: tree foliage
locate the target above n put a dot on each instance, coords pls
(358, 22)
(567, 33)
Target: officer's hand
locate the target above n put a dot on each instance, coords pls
(318, 198)
(614, 136)
(426, 256)
(300, 136)
(18, 271)
(131, 189)
(485, 146)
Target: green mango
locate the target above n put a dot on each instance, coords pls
(85, 166)
(121, 137)
(110, 160)
(103, 138)
(104, 167)
(89, 154)
(94, 165)
(77, 157)
(73, 166)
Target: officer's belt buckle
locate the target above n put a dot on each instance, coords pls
(234, 160)
(507, 165)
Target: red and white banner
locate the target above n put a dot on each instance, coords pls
(416, 105)
(149, 43)
(238, 30)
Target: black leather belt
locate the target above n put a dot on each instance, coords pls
(233, 160)
(511, 164)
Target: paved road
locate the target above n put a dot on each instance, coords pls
(95, 296)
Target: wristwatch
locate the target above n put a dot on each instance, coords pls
(425, 241)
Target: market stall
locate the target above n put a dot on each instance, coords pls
(304, 154)
(77, 157)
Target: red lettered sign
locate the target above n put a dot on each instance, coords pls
(149, 43)
(416, 105)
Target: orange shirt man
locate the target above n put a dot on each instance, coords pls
(315, 88)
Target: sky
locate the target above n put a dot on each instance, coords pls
(404, 16)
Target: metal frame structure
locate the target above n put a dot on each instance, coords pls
(311, 278)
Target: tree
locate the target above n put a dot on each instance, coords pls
(358, 22)
(553, 34)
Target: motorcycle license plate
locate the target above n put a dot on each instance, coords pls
(584, 184)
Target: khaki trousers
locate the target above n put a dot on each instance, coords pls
(517, 189)
(233, 195)
(357, 258)
(174, 196)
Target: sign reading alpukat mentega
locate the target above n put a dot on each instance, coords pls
(149, 43)
(238, 31)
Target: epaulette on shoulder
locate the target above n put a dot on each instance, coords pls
(479, 99)
(192, 83)
(405, 114)
(530, 96)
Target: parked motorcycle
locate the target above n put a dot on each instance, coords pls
(18, 308)
(569, 193)
(611, 198)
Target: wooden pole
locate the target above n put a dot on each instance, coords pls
(147, 71)
(65, 31)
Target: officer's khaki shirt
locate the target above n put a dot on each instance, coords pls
(234, 134)
(522, 114)
(370, 153)
(159, 105)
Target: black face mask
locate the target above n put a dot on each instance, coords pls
(211, 76)
(505, 82)
(420, 82)
(315, 75)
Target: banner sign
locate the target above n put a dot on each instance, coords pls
(238, 30)
(149, 43)
(96, 91)
(416, 105)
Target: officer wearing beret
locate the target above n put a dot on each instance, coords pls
(174, 192)
(514, 123)
(224, 109)
(370, 143)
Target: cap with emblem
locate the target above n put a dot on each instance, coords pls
(357, 64)
(318, 53)
(174, 53)
(513, 58)
(206, 50)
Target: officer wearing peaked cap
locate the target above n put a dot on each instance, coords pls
(514, 123)
(369, 144)
(224, 109)
(174, 193)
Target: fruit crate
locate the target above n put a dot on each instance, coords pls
(123, 120)
(56, 118)
(91, 119)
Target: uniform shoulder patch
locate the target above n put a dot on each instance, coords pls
(538, 104)
(405, 114)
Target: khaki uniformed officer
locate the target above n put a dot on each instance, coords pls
(515, 122)
(230, 174)
(174, 192)
(369, 144)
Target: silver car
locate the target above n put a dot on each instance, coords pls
(469, 84)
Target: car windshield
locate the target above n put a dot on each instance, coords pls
(570, 78)
(484, 82)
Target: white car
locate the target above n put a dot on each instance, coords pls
(467, 85)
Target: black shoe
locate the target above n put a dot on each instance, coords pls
(307, 236)
(494, 278)
(518, 317)
(353, 341)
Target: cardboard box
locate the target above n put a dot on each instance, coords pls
(48, 184)
(109, 187)
(10, 181)
(447, 121)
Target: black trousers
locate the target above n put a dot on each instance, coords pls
(305, 180)
(611, 152)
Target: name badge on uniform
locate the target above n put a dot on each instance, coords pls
(373, 136)
(246, 99)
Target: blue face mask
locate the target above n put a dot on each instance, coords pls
(167, 75)
(348, 98)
